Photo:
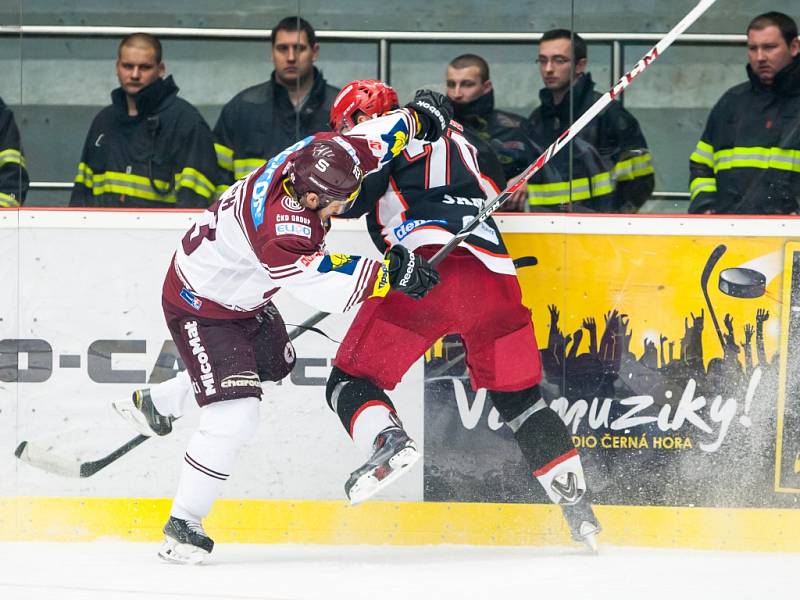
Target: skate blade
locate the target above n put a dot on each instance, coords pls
(127, 410)
(183, 554)
(588, 537)
(590, 543)
(370, 484)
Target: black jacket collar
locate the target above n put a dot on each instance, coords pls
(148, 100)
(481, 107)
(316, 95)
(786, 83)
(582, 89)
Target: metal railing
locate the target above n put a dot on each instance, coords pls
(383, 40)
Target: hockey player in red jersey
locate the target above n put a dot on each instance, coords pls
(418, 201)
(265, 233)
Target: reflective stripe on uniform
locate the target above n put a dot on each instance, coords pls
(12, 156)
(698, 185)
(194, 180)
(138, 186)
(245, 166)
(633, 167)
(8, 201)
(757, 157)
(703, 154)
(559, 193)
(224, 157)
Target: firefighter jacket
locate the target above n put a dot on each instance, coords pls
(612, 169)
(13, 174)
(748, 158)
(509, 149)
(162, 158)
(259, 122)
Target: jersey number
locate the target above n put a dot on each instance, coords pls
(437, 159)
(205, 228)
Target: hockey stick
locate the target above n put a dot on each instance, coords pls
(40, 458)
(712, 261)
(37, 456)
(656, 51)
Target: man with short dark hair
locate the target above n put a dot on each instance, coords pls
(266, 233)
(612, 168)
(746, 159)
(262, 120)
(13, 174)
(149, 148)
(503, 149)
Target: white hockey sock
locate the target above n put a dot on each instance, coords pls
(224, 428)
(562, 478)
(369, 423)
(171, 396)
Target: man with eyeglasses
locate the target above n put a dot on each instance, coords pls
(612, 168)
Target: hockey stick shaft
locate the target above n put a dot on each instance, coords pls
(564, 139)
(90, 468)
(307, 325)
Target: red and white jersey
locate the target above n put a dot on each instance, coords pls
(427, 195)
(257, 239)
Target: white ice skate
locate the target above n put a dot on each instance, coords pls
(140, 412)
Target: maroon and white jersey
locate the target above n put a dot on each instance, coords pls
(257, 239)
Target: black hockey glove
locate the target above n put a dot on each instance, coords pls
(434, 112)
(410, 273)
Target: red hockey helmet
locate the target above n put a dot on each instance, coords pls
(326, 168)
(370, 96)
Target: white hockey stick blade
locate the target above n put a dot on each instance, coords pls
(39, 457)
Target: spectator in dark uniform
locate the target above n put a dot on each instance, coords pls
(503, 149)
(149, 148)
(13, 174)
(612, 168)
(262, 120)
(746, 160)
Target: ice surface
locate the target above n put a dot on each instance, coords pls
(112, 570)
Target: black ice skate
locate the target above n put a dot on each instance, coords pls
(582, 523)
(186, 542)
(393, 454)
(142, 414)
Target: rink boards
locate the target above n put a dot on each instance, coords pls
(677, 455)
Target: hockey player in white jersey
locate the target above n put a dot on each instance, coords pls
(420, 204)
(265, 233)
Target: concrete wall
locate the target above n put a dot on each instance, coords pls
(727, 16)
(57, 84)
